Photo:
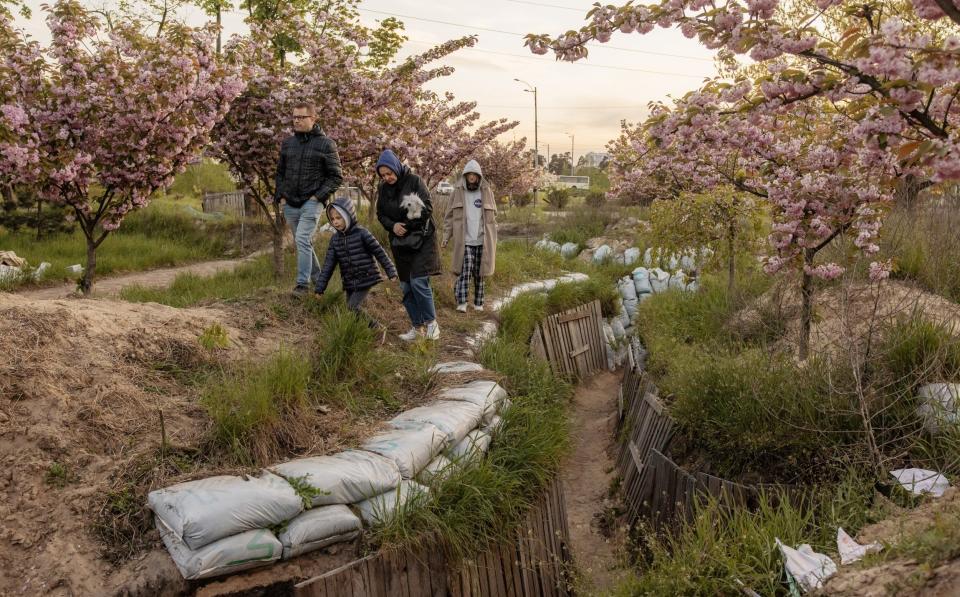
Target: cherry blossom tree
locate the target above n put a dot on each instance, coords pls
(106, 120)
(509, 167)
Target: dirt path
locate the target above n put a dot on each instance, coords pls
(157, 277)
(586, 480)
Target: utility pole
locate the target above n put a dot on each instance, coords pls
(536, 141)
(573, 165)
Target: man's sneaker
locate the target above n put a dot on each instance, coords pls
(476, 307)
(462, 308)
(300, 290)
(433, 331)
(409, 336)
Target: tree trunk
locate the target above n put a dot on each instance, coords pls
(731, 259)
(39, 218)
(806, 305)
(278, 243)
(219, 28)
(908, 191)
(86, 282)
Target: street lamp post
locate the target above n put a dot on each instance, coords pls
(536, 145)
(573, 167)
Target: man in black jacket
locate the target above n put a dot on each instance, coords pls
(308, 173)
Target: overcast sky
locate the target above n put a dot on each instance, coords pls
(587, 99)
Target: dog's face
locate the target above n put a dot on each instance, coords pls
(414, 206)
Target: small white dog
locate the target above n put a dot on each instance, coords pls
(414, 206)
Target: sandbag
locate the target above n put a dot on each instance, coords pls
(678, 281)
(436, 470)
(631, 256)
(618, 329)
(484, 393)
(410, 445)
(456, 367)
(343, 478)
(246, 550)
(631, 307)
(494, 426)
(203, 511)
(648, 257)
(318, 528)
(939, 405)
(569, 250)
(693, 285)
(475, 445)
(622, 313)
(687, 263)
(627, 290)
(659, 280)
(602, 253)
(674, 262)
(546, 244)
(641, 281)
(384, 507)
(454, 418)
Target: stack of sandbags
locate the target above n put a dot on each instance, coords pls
(569, 250)
(628, 293)
(545, 244)
(222, 524)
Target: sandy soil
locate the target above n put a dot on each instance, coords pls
(586, 482)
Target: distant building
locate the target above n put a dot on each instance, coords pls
(594, 158)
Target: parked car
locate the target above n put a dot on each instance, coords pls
(445, 188)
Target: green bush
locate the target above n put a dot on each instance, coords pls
(581, 224)
(596, 199)
(206, 177)
(558, 198)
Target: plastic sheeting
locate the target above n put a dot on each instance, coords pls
(343, 478)
(850, 551)
(809, 568)
(203, 511)
(919, 481)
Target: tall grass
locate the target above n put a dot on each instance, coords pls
(925, 246)
(581, 224)
(258, 409)
(206, 177)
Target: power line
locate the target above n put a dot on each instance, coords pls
(580, 10)
(578, 64)
(514, 33)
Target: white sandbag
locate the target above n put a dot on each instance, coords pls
(618, 330)
(484, 393)
(41, 269)
(631, 256)
(505, 405)
(573, 277)
(631, 307)
(318, 528)
(475, 445)
(919, 481)
(602, 253)
(456, 367)
(200, 512)
(693, 285)
(9, 273)
(850, 551)
(569, 250)
(659, 280)
(674, 262)
(549, 285)
(343, 478)
(628, 291)
(687, 263)
(939, 404)
(384, 507)
(436, 470)
(246, 550)
(494, 426)
(546, 244)
(678, 281)
(648, 257)
(809, 568)
(454, 418)
(641, 280)
(409, 445)
(611, 357)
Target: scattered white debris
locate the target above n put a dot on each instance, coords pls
(809, 568)
(919, 481)
(851, 551)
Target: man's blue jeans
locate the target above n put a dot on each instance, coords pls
(303, 223)
(418, 300)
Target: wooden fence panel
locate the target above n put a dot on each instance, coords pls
(534, 565)
(573, 341)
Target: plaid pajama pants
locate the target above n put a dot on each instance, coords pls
(472, 257)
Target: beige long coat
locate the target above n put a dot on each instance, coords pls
(454, 223)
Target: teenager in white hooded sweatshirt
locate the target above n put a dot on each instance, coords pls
(471, 224)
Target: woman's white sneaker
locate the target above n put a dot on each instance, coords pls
(433, 331)
(462, 308)
(409, 336)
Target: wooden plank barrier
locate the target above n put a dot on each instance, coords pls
(572, 341)
(535, 564)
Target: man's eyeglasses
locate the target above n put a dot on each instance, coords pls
(295, 117)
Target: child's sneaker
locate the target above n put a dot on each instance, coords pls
(409, 336)
(433, 331)
(462, 308)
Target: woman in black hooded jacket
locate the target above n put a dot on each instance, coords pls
(414, 264)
